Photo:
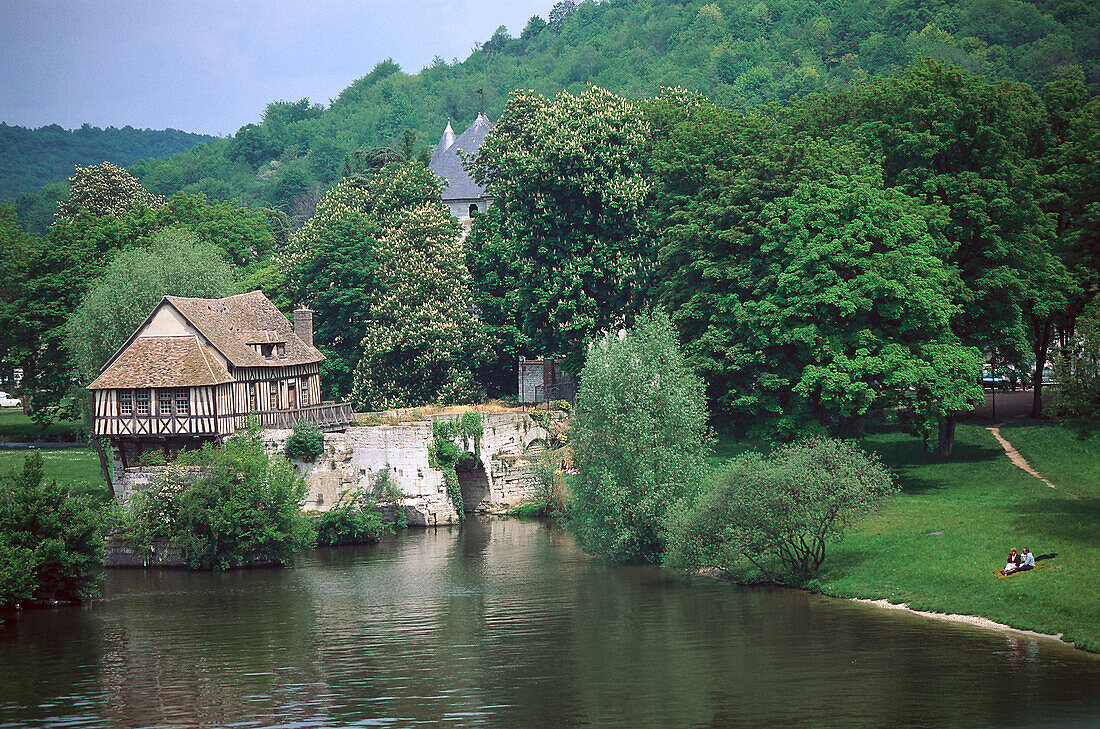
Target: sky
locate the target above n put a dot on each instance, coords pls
(212, 66)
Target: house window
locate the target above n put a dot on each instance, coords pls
(274, 395)
(141, 402)
(280, 349)
(473, 209)
(266, 350)
(125, 402)
(252, 397)
(305, 392)
(164, 402)
(183, 401)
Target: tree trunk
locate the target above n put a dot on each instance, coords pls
(103, 464)
(947, 435)
(1042, 343)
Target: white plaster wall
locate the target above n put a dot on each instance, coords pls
(167, 322)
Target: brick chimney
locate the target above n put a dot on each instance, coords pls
(303, 325)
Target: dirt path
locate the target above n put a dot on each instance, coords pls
(1015, 457)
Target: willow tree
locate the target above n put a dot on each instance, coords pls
(176, 262)
(569, 234)
(640, 440)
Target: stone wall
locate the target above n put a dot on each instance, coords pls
(353, 458)
(118, 554)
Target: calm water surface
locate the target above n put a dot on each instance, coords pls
(507, 624)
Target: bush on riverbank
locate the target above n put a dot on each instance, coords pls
(779, 511)
(51, 539)
(357, 518)
(306, 442)
(242, 507)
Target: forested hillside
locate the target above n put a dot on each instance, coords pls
(737, 52)
(31, 158)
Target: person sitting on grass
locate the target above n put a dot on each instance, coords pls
(1028, 560)
(1013, 563)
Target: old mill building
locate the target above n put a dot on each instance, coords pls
(198, 369)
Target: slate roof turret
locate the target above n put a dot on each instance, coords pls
(447, 164)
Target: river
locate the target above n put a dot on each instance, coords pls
(505, 623)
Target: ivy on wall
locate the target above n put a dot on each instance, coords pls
(445, 453)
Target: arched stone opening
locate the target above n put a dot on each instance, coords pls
(473, 482)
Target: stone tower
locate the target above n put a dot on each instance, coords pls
(461, 194)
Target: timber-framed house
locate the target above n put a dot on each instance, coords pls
(198, 369)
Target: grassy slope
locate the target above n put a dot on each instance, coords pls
(76, 466)
(983, 505)
(18, 428)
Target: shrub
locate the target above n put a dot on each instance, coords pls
(306, 442)
(548, 486)
(241, 507)
(51, 539)
(445, 454)
(382, 488)
(356, 520)
(778, 512)
(152, 458)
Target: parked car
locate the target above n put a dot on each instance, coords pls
(991, 381)
(9, 402)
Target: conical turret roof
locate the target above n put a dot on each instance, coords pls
(447, 164)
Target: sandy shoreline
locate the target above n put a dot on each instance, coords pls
(966, 619)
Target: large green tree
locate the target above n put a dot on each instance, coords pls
(332, 263)
(803, 287)
(422, 343)
(948, 137)
(639, 437)
(175, 262)
(569, 235)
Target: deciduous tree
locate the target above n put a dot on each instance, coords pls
(422, 343)
(640, 439)
(176, 262)
(566, 175)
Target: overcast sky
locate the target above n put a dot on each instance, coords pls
(211, 66)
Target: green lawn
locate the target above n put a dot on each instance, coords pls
(18, 428)
(937, 544)
(76, 466)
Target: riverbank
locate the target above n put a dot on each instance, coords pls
(935, 547)
(976, 621)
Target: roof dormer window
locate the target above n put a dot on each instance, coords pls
(267, 350)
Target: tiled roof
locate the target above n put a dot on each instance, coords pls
(232, 323)
(162, 362)
(447, 165)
